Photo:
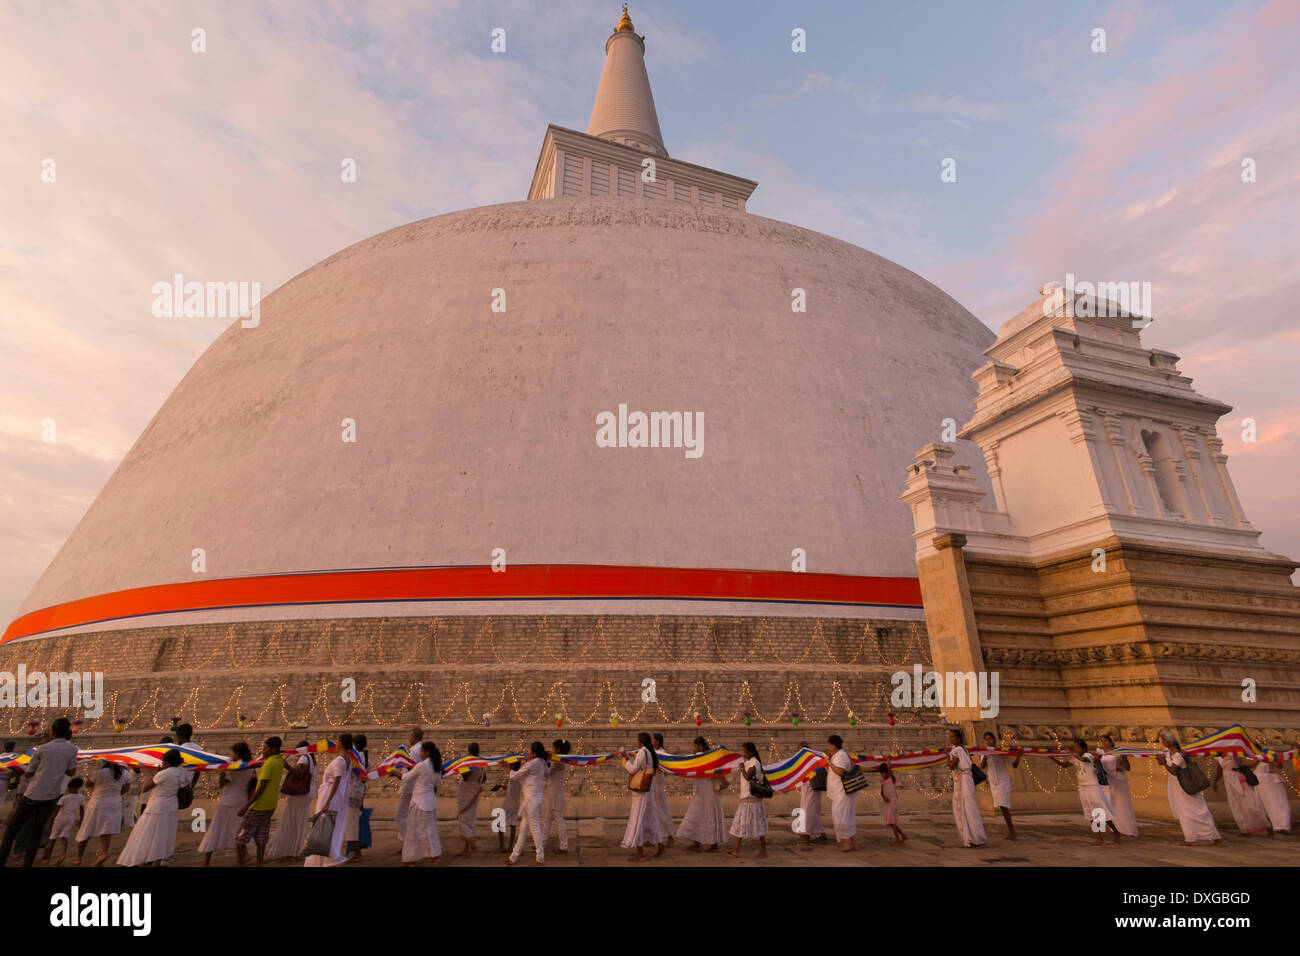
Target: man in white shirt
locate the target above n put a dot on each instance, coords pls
(47, 774)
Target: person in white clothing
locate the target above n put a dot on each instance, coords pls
(811, 788)
(557, 772)
(1243, 800)
(233, 794)
(531, 777)
(153, 838)
(416, 749)
(421, 840)
(1116, 787)
(1096, 806)
(66, 820)
(642, 819)
(659, 792)
(1193, 815)
(704, 823)
(844, 805)
(103, 816)
(751, 815)
(332, 797)
(468, 793)
(964, 809)
(1273, 795)
(999, 767)
(291, 832)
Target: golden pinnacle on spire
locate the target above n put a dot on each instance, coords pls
(625, 22)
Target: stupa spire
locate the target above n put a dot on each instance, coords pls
(624, 111)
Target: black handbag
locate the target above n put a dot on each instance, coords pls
(1192, 778)
(1103, 778)
(978, 775)
(855, 779)
(759, 787)
(819, 779)
(1251, 779)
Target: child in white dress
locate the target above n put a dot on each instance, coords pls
(66, 819)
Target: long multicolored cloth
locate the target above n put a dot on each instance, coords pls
(708, 763)
(150, 757)
(783, 775)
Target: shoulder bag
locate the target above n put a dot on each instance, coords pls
(758, 786)
(1192, 778)
(298, 781)
(855, 779)
(1251, 779)
(320, 835)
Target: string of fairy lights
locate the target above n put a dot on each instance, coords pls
(284, 648)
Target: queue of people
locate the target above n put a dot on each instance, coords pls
(321, 822)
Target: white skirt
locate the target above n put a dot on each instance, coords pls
(659, 793)
(1277, 804)
(965, 811)
(1243, 801)
(103, 818)
(153, 837)
(750, 819)
(1121, 801)
(810, 802)
(64, 827)
(704, 822)
(1095, 804)
(844, 813)
(421, 839)
(1193, 815)
(291, 832)
(222, 830)
(642, 822)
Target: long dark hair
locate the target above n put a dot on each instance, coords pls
(241, 751)
(749, 748)
(658, 738)
(116, 768)
(345, 743)
(538, 749)
(701, 744)
(644, 740)
(561, 746)
(433, 755)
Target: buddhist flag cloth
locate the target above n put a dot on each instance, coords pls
(788, 773)
(783, 775)
(710, 763)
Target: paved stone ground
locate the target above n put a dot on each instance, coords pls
(1045, 839)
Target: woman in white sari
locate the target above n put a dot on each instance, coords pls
(659, 793)
(704, 824)
(332, 796)
(1190, 809)
(291, 832)
(231, 798)
(153, 838)
(103, 817)
(421, 839)
(1096, 805)
(467, 797)
(1117, 788)
(844, 805)
(1273, 795)
(643, 819)
(964, 809)
(1243, 801)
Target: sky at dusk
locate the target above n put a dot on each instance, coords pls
(1119, 166)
